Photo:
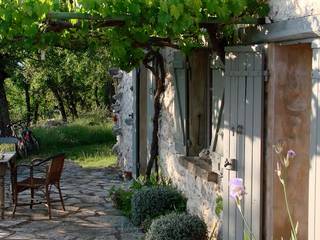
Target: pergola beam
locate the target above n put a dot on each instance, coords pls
(120, 20)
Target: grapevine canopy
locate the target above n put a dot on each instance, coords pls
(126, 27)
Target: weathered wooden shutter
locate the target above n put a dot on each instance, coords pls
(217, 105)
(244, 74)
(179, 103)
(151, 88)
(314, 172)
(133, 116)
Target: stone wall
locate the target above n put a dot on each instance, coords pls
(201, 194)
(123, 127)
(287, 9)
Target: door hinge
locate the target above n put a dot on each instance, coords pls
(266, 76)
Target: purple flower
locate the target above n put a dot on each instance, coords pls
(291, 154)
(236, 188)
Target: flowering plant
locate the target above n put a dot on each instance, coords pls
(282, 166)
(237, 190)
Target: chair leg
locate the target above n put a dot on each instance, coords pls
(61, 198)
(48, 200)
(32, 197)
(15, 203)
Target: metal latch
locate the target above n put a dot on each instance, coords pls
(230, 164)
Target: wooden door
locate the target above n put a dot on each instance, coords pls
(242, 137)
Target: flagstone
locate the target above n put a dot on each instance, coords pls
(89, 212)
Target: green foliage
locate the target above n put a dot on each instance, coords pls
(75, 134)
(142, 181)
(121, 199)
(219, 206)
(29, 24)
(177, 226)
(151, 202)
(78, 78)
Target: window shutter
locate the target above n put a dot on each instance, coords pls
(179, 103)
(217, 105)
(150, 109)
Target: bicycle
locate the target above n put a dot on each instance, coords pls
(27, 142)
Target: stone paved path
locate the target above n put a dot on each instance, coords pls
(89, 214)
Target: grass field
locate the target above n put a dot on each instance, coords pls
(87, 141)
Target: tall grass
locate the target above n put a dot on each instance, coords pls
(88, 141)
(80, 132)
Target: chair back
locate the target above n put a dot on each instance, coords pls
(55, 169)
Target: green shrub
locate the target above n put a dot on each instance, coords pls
(151, 202)
(177, 226)
(142, 181)
(121, 199)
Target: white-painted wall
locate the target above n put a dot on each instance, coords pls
(288, 9)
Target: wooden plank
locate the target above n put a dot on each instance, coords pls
(317, 172)
(244, 73)
(150, 109)
(233, 145)
(226, 150)
(243, 49)
(256, 155)
(248, 140)
(316, 74)
(180, 110)
(316, 66)
(240, 136)
(289, 30)
(313, 206)
(217, 95)
(143, 99)
(134, 129)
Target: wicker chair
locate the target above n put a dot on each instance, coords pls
(51, 177)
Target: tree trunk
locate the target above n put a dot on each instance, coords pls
(96, 97)
(72, 106)
(60, 103)
(4, 109)
(158, 71)
(26, 87)
(109, 92)
(36, 111)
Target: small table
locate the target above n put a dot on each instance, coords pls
(5, 158)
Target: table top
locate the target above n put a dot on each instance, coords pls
(7, 156)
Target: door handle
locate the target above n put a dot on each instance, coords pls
(239, 129)
(230, 164)
(233, 130)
